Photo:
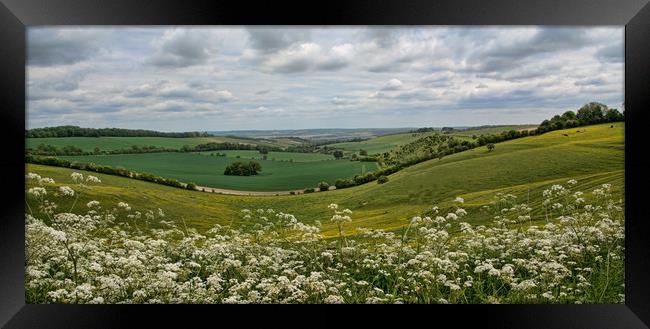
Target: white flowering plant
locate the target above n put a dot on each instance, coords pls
(109, 253)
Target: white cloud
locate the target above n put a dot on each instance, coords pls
(213, 78)
(392, 84)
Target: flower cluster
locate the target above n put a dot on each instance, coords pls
(109, 255)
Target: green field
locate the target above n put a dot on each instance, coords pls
(208, 170)
(524, 167)
(275, 156)
(115, 143)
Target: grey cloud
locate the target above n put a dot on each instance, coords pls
(392, 84)
(437, 80)
(267, 40)
(294, 66)
(501, 58)
(589, 82)
(342, 101)
(515, 98)
(383, 37)
(181, 49)
(332, 65)
(51, 47)
(611, 54)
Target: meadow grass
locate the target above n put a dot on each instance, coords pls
(523, 167)
(116, 253)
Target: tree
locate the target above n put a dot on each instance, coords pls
(323, 186)
(363, 152)
(591, 113)
(255, 167)
(382, 179)
(613, 115)
(263, 150)
(338, 154)
(242, 169)
(490, 147)
(569, 115)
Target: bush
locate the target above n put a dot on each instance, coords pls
(310, 190)
(242, 169)
(323, 186)
(382, 180)
(343, 183)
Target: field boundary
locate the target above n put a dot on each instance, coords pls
(207, 189)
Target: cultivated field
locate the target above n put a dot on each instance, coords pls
(114, 143)
(205, 170)
(274, 156)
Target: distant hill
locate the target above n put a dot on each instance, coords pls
(314, 134)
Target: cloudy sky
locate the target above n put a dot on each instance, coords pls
(232, 78)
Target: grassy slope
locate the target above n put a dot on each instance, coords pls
(208, 171)
(386, 143)
(491, 130)
(113, 143)
(380, 144)
(524, 167)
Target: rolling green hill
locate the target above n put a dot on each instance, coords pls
(380, 144)
(386, 143)
(524, 167)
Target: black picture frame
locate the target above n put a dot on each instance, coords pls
(16, 15)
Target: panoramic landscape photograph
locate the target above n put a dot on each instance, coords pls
(324, 165)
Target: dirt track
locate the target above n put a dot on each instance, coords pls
(255, 193)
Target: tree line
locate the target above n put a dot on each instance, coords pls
(104, 169)
(75, 131)
(588, 114)
(51, 150)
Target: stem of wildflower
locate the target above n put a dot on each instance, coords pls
(184, 226)
(340, 239)
(75, 201)
(30, 208)
(606, 274)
